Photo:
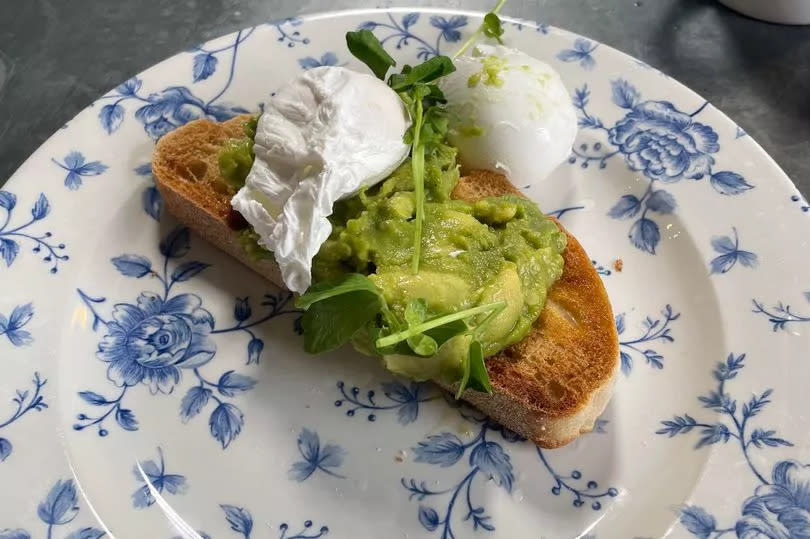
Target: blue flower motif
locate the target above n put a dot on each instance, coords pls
(61, 505)
(645, 235)
(290, 35)
(655, 329)
(488, 460)
(239, 518)
(241, 310)
(729, 183)
(111, 116)
(580, 53)
(730, 253)
(255, 347)
(665, 143)
(428, 517)
(241, 522)
(403, 398)
(226, 423)
(11, 327)
(443, 449)
(780, 315)
(149, 342)
(400, 30)
(492, 460)
(327, 59)
(155, 478)
(316, 457)
(11, 236)
(205, 64)
(176, 106)
(151, 199)
(698, 521)
(662, 142)
(129, 87)
(25, 401)
(779, 509)
(449, 27)
(77, 168)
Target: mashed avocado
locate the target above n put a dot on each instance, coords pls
(236, 157)
(500, 248)
(496, 249)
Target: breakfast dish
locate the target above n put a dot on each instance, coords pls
(330, 208)
(154, 386)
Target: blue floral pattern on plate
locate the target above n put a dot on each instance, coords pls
(155, 340)
(12, 327)
(326, 458)
(781, 315)
(59, 508)
(24, 401)
(663, 143)
(77, 168)
(729, 253)
(778, 507)
(581, 53)
(174, 106)
(12, 236)
(655, 329)
(400, 32)
(156, 480)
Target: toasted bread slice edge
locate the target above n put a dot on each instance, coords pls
(518, 403)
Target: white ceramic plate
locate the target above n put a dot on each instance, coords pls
(233, 431)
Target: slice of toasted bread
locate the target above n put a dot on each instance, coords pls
(550, 387)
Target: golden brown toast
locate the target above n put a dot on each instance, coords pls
(550, 387)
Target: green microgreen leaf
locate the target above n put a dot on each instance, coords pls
(465, 376)
(330, 323)
(349, 283)
(367, 48)
(423, 345)
(479, 377)
(445, 332)
(475, 374)
(492, 27)
(427, 71)
(337, 309)
(415, 313)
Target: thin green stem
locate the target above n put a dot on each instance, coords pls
(436, 322)
(473, 38)
(418, 169)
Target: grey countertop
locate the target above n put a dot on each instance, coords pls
(57, 56)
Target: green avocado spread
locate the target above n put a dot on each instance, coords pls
(496, 249)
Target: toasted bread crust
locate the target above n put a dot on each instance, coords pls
(550, 387)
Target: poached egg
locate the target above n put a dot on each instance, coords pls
(325, 135)
(509, 112)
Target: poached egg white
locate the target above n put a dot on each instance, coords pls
(324, 135)
(509, 112)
